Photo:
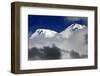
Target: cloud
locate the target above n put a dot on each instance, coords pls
(76, 55)
(75, 18)
(44, 53)
(48, 53)
(80, 20)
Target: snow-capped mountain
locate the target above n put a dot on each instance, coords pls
(43, 32)
(70, 30)
(76, 26)
(47, 33)
(73, 38)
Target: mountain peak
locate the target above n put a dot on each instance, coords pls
(76, 26)
(70, 30)
(43, 32)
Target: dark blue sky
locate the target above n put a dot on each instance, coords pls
(56, 23)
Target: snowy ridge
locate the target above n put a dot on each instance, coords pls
(50, 33)
(76, 26)
(70, 30)
(47, 33)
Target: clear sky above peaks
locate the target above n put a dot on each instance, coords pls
(55, 23)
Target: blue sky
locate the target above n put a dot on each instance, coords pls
(56, 23)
